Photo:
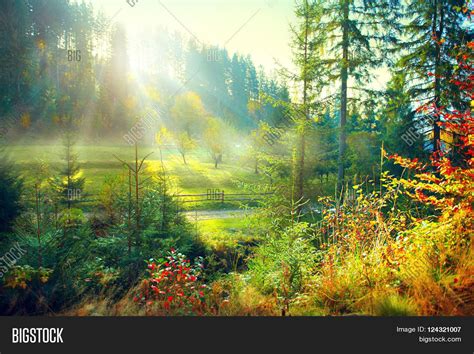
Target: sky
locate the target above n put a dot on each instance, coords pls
(256, 27)
(260, 28)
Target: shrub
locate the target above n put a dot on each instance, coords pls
(232, 295)
(376, 250)
(11, 187)
(174, 286)
(394, 305)
(283, 264)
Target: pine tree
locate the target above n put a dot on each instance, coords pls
(11, 189)
(397, 119)
(70, 183)
(349, 35)
(113, 91)
(433, 30)
(14, 48)
(238, 87)
(306, 59)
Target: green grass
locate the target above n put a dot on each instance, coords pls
(98, 162)
(225, 233)
(196, 177)
(395, 305)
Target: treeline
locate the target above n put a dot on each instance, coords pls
(43, 75)
(61, 58)
(339, 49)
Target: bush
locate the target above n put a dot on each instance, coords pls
(174, 286)
(395, 305)
(283, 264)
(11, 188)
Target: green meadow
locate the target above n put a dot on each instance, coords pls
(99, 162)
(215, 229)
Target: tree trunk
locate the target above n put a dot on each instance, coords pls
(130, 228)
(129, 213)
(163, 216)
(137, 198)
(302, 148)
(38, 224)
(438, 6)
(302, 139)
(343, 112)
(68, 192)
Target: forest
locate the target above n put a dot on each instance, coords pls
(147, 172)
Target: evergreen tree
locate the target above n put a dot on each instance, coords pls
(70, 183)
(324, 146)
(433, 30)
(114, 91)
(15, 53)
(238, 89)
(11, 187)
(306, 58)
(350, 34)
(397, 118)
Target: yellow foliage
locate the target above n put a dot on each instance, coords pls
(153, 94)
(25, 120)
(163, 136)
(41, 44)
(130, 103)
(56, 120)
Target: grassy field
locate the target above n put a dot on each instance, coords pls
(219, 233)
(218, 228)
(99, 162)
